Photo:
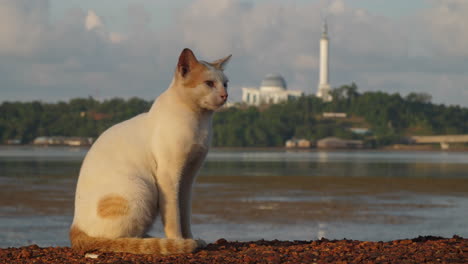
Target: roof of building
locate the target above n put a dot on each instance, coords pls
(275, 81)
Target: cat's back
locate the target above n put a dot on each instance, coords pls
(128, 132)
(122, 146)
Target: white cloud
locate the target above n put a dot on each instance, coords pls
(93, 21)
(116, 38)
(337, 7)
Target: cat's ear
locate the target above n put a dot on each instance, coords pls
(187, 62)
(221, 63)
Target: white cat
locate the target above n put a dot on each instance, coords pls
(147, 165)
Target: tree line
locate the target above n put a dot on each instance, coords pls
(389, 117)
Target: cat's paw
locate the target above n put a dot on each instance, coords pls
(200, 243)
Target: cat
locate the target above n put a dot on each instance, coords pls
(147, 165)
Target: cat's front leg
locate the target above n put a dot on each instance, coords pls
(169, 202)
(185, 197)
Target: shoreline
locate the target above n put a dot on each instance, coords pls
(418, 250)
(390, 148)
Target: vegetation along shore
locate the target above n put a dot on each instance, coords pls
(378, 119)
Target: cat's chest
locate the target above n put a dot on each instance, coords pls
(202, 137)
(196, 153)
(183, 136)
(198, 147)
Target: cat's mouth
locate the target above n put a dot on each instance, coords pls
(213, 106)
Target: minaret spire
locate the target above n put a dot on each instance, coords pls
(325, 29)
(324, 87)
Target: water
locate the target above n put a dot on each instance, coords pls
(253, 194)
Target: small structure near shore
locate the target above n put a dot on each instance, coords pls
(13, 142)
(443, 140)
(298, 143)
(60, 140)
(338, 143)
(334, 115)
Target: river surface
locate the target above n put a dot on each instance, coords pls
(260, 194)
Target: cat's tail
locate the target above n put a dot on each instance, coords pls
(163, 246)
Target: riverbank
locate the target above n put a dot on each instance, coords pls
(395, 147)
(389, 148)
(418, 250)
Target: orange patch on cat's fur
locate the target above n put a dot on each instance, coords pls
(195, 76)
(112, 206)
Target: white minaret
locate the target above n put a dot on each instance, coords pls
(324, 87)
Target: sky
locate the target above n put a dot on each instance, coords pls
(53, 50)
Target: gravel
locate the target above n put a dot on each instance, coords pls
(419, 250)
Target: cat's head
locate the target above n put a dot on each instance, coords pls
(202, 84)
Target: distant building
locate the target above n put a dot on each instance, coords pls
(96, 115)
(298, 143)
(334, 115)
(337, 143)
(78, 141)
(272, 90)
(360, 130)
(57, 140)
(60, 140)
(13, 141)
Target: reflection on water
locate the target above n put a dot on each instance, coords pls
(366, 195)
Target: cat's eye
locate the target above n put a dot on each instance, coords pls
(225, 84)
(209, 83)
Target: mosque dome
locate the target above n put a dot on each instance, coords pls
(273, 83)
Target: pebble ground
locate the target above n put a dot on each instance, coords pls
(419, 250)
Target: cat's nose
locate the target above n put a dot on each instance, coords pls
(224, 96)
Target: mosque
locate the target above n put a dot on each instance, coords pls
(273, 90)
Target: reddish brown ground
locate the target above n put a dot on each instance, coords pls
(418, 250)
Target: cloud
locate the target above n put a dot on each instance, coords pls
(77, 55)
(116, 37)
(93, 21)
(337, 7)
